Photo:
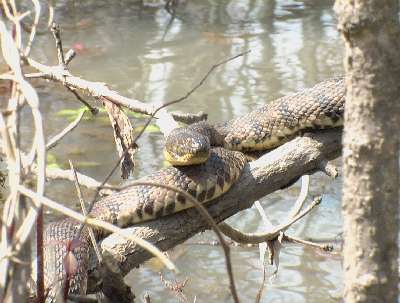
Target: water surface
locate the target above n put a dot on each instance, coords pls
(144, 52)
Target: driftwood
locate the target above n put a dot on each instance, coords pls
(273, 171)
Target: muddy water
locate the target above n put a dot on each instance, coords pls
(144, 52)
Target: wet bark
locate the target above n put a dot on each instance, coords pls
(370, 29)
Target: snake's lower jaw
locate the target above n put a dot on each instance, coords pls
(187, 159)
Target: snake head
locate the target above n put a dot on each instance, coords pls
(186, 147)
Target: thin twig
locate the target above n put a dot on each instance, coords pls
(95, 89)
(54, 140)
(32, 34)
(12, 58)
(301, 199)
(255, 238)
(85, 213)
(69, 56)
(92, 109)
(55, 29)
(325, 246)
(262, 285)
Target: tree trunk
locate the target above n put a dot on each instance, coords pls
(371, 149)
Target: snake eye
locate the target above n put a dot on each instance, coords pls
(186, 147)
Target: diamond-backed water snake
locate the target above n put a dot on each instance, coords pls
(271, 125)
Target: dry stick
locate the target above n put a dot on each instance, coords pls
(100, 90)
(21, 235)
(92, 109)
(262, 286)
(255, 238)
(29, 29)
(50, 3)
(203, 211)
(42, 200)
(12, 58)
(84, 211)
(55, 29)
(298, 205)
(69, 56)
(66, 60)
(301, 199)
(96, 89)
(5, 241)
(54, 140)
(176, 287)
(32, 34)
(325, 246)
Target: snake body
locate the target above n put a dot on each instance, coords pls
(67, 254)
(267, 127)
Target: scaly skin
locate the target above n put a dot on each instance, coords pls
(271, 125)
(267, 127)
(135, 204)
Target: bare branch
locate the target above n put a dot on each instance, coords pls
(325, 246)
(85, 213)
(328, 168)
(55, 29)
(95, 89)
(255, 238)
(32, 34)
(92, 109)
(301, 199)
(69, 56)
(57, 138)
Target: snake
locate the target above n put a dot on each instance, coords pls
(207, 160)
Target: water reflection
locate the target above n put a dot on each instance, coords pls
(145, 52)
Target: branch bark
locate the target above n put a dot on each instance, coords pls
(269, 173)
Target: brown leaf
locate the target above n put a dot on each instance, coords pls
(123, 135)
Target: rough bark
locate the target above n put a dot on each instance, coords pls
(271, 172)
(370, 29)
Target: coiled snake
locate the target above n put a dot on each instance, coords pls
(216, 170)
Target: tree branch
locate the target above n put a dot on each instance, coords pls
(271, 172)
